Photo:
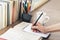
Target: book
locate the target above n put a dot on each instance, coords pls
(15, 11)
(9, 11)
(3, 15)
(17, 33)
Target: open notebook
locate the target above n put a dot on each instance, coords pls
(28, 29)
(17, 33)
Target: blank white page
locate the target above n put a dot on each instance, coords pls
(28, 29)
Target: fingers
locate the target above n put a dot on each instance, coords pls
(35, 29)
(38, 27)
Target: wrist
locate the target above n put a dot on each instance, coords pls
(43, 30)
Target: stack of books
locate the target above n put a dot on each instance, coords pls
(8, 12)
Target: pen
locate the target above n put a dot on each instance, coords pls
(38, 18)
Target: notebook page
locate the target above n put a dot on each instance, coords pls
(28, 29)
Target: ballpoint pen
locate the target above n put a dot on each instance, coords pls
(38, 18)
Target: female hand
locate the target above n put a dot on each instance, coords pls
(38, 28)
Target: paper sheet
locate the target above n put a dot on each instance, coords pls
(11, 35)
(28, 29)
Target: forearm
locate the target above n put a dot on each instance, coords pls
(53, 28)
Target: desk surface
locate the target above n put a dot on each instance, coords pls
(54, 36)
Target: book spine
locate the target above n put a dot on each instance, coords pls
(13, 12)
(3, 14)
(8, 15)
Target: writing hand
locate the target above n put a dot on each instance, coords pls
(38, 28)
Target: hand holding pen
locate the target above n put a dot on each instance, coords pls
(36, 24)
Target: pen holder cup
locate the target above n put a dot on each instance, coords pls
(26, 17)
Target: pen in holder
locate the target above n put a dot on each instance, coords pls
(26, 9)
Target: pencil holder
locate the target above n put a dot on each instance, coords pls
(26, 17)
